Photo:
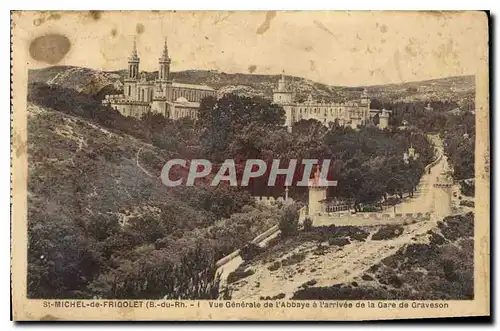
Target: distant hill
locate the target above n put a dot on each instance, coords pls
(98, 83)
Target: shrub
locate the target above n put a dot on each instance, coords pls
(359, 234)
(307, 224)
(249, 251)
(436, 239)
(239, 274)
(311, 282)
(289, 221)
(467, 203)
(395, 281)
(338, 242)
(275, 266)
(293, 259)
(366, 277)
(388, 232)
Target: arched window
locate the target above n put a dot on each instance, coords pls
(129, 90)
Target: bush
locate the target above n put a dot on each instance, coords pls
(311, 282)
(467, 203)
(388, 232)
(293, 259)
(436, 239)
(275, 266)
(458, 226)
(395, 281)
(467, 189)
(366, 277)
(249, 251)
(239, 274)
(338, 242)
(289, 222)
(307, 224)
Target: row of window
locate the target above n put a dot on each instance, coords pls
(191, 113)
(191, 95)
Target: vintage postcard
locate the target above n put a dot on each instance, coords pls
(289, 165)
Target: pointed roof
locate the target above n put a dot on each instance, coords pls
(134, 55)
(164, 55)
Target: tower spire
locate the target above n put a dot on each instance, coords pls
(164, 63)
(134, 49)
(133, 62)
(165, 49)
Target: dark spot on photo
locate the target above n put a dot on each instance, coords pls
(139, 28)
(95, 14)
(50, 48)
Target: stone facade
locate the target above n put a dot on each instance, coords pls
(162, 95)
(316, 195)
(352, 113)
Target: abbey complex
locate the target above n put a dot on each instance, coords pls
(173, 100)
(176, 100)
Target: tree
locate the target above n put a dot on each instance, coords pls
(289, 221)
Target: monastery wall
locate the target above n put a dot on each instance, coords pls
(368, 219)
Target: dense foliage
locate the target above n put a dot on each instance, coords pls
(459, 138)
(100, 225)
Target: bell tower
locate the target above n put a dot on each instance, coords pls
(164, 64)
(282, 95)
(133, 63)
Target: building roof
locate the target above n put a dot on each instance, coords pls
(182, 102)
(193, 86)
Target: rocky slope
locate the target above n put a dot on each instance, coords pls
(93, 81)
(425, 260)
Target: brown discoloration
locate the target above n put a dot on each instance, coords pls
(114, 32)
(308, 48)
(95, 14)
(46, 17)
(252, 68)
(267, 22)
(383, 28)
(411, 48)
(139, 28)
(221, 18)
(312, 65)
(20, 146)
(50, 48)
(324, 28)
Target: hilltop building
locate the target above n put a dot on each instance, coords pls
(161, 95)
(351, 113)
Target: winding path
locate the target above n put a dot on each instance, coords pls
(353, 259)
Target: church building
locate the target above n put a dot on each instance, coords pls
(161, 95)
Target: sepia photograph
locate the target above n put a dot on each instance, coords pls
(307, 162)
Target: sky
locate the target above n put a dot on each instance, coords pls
(336, 48)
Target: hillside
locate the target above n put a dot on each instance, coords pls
(100, 221)
(423, 261)
(93, 81)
